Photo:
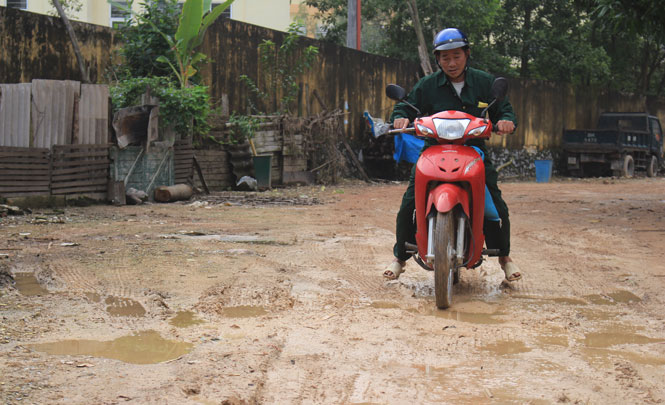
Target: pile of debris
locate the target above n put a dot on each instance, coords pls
(519, 163)
(254, 199)
(11, 210)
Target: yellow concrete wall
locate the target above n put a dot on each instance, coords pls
(92, 11)
(34, 46)
(273, 14)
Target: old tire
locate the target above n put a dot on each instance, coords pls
(444, 268)
(628, 166)
(652, 167)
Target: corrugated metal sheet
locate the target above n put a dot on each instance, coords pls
(52, 111)
(15, 115)
(93, 114)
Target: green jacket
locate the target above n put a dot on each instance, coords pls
(435, 93)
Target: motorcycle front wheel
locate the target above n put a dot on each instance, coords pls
(444, 259)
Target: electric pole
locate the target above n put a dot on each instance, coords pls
(353, 26)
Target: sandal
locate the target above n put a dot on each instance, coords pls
(393, 271)
(512, 271)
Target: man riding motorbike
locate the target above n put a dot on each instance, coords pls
(455, 87)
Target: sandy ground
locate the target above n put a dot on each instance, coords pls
(286, 303)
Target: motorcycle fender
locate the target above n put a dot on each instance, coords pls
(447, 196)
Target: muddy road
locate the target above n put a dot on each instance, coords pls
(278, 298)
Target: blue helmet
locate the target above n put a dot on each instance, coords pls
(450, 38)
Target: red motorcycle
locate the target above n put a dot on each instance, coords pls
(450, 193)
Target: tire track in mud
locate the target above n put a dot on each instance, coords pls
(355, 262)
(70, 274)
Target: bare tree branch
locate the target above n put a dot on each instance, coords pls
(85, 78)
(422, 46)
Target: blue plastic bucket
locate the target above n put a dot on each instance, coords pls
(543, 171)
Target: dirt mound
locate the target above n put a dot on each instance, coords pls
(221, 296)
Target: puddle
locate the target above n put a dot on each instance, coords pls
(476, 312)
(384, 305)
(243, 311)
(146, 347)
(604, 356)
(624, 297)
(184, 319)
(556, 300)
(506, 347)
(613, 298)
(557, 337)
(482, 319)
(606, 339)
(595, 315)
(27, 284)
(469, 317)
(94, 297)
(599, 299)
(118, 306)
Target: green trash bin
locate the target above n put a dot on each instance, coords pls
(262, 169)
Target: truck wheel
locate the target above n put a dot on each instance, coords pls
(652, 167)
(628, 166)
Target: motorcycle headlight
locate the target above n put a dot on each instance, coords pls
(451, 129)
(424, 130)
(477, 131)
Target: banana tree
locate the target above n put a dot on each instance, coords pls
(189, 36)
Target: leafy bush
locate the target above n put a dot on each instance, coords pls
(243, 127)
(186, 109)
(143, 41)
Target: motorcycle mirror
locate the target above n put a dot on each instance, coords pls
(499, 88)
(395, 92)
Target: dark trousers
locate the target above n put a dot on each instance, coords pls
(497, 233)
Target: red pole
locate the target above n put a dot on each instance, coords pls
(358, 25)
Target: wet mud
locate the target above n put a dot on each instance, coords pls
(278, 298)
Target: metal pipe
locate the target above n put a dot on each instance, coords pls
(430, 240)
(358, 25)
(460, 239)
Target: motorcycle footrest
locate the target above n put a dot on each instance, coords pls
(491, 252)
(411, 246)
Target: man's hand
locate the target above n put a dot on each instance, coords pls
(504, 127)
(400, 123)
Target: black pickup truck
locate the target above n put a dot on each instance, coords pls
(622, 143)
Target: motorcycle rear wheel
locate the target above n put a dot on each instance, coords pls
(444, 259)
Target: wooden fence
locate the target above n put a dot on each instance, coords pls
(183, 152)
(79, 169)
(287, 151)
(24, 171)
(71, 170)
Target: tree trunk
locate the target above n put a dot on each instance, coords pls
(422, 46)
(85, 78)
(524, 56)
(657, 61)
(642, 83)
(659, 89)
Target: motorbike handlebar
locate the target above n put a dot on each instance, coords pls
(408, 130)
